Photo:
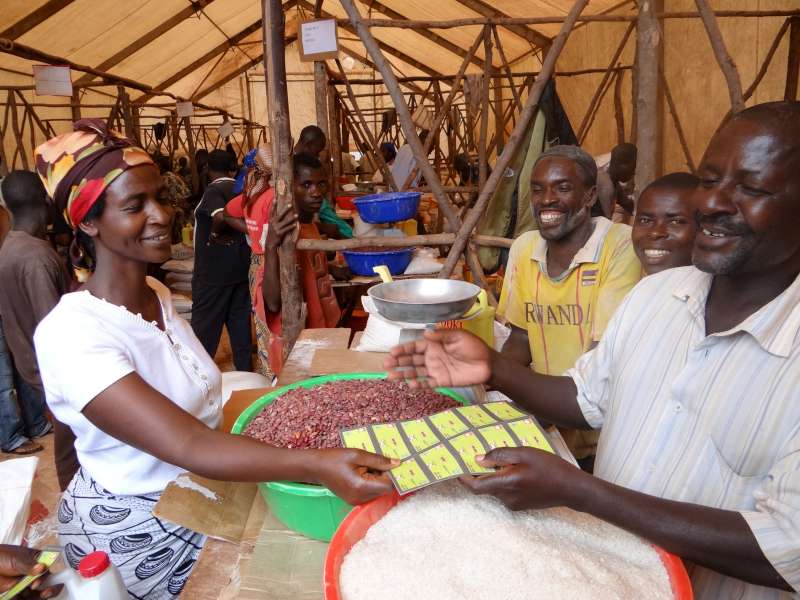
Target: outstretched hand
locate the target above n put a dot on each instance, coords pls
(354, 475)
(442, 358)
(527, 478)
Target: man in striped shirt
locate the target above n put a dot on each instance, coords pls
(694, 383)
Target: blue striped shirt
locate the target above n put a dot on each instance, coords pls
(711, 420)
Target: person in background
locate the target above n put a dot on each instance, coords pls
(128, 375)
(248, 213)
(220, 295)
(664, 227)
(322, 308)
(178, 193)
(184, 171)
(694, 383)
(405, 164)
(565, 280)
(615, 185)
(312, 141)
(201, 166)
(33, 281)
(389, 153)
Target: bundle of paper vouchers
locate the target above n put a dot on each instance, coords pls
(444, 445)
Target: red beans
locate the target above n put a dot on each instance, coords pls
(313, 417)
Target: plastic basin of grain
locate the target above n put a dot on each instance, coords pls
(673, 584)
(311, 510)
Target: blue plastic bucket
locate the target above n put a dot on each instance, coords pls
(395, 259)
(389, 207)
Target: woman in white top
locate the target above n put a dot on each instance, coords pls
(129, 377)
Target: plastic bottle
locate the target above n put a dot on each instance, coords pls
(96, 579)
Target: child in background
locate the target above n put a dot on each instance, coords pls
(664, 227)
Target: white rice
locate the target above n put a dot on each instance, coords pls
(444, 543)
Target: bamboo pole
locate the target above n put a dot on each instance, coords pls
(433, 239)
(515, 74)
(678, 127)
(483, 161)
(649, 107)
(442, 114)
(793, 61)
(367, 134)
(275, 67)
(619, 113)
(505, 21)
(596, 98)
(724, 59)
(531, 106)
(12, 102)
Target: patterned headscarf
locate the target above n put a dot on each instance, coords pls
(258, 175)
(77, 167)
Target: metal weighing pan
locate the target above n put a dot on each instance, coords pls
(423, 300)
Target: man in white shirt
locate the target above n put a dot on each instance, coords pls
(694, 383)
(405, 165)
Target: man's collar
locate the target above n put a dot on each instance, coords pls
(589, 253)
(775, 326)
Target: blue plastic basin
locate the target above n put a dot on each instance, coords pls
(389, 207)
(361, 263)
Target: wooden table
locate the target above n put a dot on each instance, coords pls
(289, 566)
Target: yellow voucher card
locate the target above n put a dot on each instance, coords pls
(409, 476)
(419, 434)
(476, 416)
(358, 438)
(529, 434)
(391, 441)
(469, 445)
(441, 462)
(497, 436)
(448, 423)
(505, 411)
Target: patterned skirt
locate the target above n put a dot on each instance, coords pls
(153, 556)
(262, 331)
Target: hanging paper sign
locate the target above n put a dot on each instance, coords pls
(52, 81)
(318, 40)
(184, 109)
(225, 130)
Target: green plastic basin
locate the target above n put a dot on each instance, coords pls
(311, 510)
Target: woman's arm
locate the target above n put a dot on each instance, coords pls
(151, 423)
(234, 223)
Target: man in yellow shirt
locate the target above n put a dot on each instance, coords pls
(564, 280)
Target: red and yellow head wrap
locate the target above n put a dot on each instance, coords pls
(77, 167)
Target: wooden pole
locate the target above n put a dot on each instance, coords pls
(275, 68)
(793, 61)
(506, 69)
(597, 18)
(402, 112)
(724, 59)
(334, 142)
(619, 112)
(483, 160)
(596, 108)
(249, 109)
(442, 115)
(514, 141)
(676, 120)
(12, 102)
(367, 135)
(609, 71)
(433, 239)
(649, 122)
(191, 148)
(321, 96)
(75, 105)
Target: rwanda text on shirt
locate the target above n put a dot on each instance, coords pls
(564, 316)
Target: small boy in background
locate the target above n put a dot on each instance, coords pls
(664, 226)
